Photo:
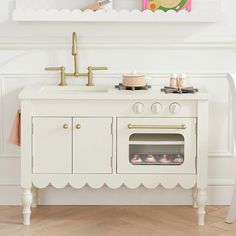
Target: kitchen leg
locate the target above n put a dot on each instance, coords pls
(194, 196)
(26, 201)
(35, 197)
(201, 202)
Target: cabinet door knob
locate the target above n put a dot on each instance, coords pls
(78, 126)
(65, 126)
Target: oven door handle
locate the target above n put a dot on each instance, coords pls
(131, 126)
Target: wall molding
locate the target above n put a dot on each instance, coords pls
(214, 155)
(9, 155)
(104, 43)
(221, 154)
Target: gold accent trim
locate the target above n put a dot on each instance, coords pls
(63, 75)
(90, 74)
(131, 126)
(76, 72)
(65, 126)
(78, 126)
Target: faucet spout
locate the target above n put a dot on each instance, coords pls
(76, 72)
(75, 53)
(74, 44)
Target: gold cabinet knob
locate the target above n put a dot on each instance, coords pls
(78, 126)
(65, 126)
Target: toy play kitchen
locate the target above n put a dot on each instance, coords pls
(102, 135)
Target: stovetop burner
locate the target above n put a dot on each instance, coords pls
(123, 87)
(179, 90)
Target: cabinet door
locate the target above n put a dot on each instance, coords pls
(52, 145)
(92, 145)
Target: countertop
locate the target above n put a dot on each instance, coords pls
(53, 92)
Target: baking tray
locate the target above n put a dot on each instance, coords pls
(156, 158)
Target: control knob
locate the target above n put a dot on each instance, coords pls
(174, 108)
(156, 108)
(138, 107)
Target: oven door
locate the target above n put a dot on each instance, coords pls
(156, 145)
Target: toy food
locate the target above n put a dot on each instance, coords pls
(136, 159)
(150, 158)
(165, 159)
(134, 80)
(178, 159)
(165, 5)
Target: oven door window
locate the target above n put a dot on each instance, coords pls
(156, 149)
(156, 145)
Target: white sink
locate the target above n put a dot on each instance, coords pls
(73, 89)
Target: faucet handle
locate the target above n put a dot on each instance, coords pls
(90, 73)
(91, 68)
(62, 69)
(55, 68)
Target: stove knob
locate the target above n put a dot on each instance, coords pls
(138, 107)
(156, 108)
(174, 108)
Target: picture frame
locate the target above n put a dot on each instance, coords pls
(166, 5)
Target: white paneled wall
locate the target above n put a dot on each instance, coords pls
(205, 51)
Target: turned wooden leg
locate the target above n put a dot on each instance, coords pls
(35, 197)
(201, 202)
(194, 196)
(26, 201)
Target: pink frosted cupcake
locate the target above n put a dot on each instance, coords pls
(136, 159)
(178, 159)
(150, 159)
(165, 159)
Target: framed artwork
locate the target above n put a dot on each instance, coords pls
(166, 5)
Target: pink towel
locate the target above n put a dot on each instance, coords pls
(14, 137)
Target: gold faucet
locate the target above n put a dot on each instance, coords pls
(76, 73)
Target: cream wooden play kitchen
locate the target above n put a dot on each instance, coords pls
(100, 135)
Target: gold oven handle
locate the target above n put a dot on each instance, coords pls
(131, 126)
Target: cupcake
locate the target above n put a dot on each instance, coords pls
(178, 159)
(136, 159)
(150, 159)
(165, 159)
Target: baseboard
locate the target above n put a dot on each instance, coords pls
(217, 195)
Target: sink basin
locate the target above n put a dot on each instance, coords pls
(74, 89)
